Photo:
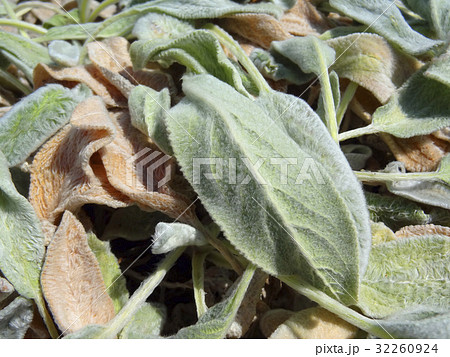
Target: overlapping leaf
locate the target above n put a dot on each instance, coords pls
(415, 267)
(273, 224)
(385, 18)
(15, 319)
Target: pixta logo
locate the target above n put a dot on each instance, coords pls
(148, 167)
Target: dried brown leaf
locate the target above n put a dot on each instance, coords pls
(304, 19)
(121, 160)
(314, 323)
(71, 76)
(260, 29)
(112, 59)
(72, 281)
(272, 319)
(65, 173)
(426, 229)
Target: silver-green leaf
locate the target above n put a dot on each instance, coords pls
(407, 273)
(273, 218)
(385, 18)
(22, 241)
(33, 120)
(169, 236)
(15, 319)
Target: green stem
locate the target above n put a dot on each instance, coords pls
(99, 9)
(198, 278)
(140, 295)
(394, 176)
(46, 316)
(84, 7)
(365, 130)
(226, 40)
(345, 101)
(24, 7)
(13, 81)
(330, 110)
(337, 308)
(10, 11)
(23, 25)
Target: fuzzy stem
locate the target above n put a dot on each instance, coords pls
(241, 56)
(345, 101)
(23, 25)
(337, 308)
(99, 9)
(140, 295)
(394, 176)
(198, 278)
(365, 130)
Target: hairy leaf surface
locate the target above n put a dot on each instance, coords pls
(272, 218)
(16, 318)
(199, 51)
(407, 273)
(419, 107)
(169, 236)
(115, 282)
(21, 239)
(146, 323)
(33, 120)
(385, 18)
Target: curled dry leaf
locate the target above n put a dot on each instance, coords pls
(71, 279)
(65, 175)
(421, 230)
(303, 19)
(315, 322)
(128, 162)
(70, 76)
(261, 29)
(111, 57)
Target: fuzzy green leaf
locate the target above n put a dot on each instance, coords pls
(215, 322)
(434, 192)
(112, 276)
(421, 322)
(439, 69)
(23, 52)
(369, 61)
(272, 218)
(395, 211)
(146, 323)
(419, 107)
(169, 236)
(154, 25)
(309, 53)
(148, 109)
(16, 318)
(385, 18)
(205, 9)
(22, 241)
(35, 118)
(199, 51)
(407, 273)
(64, 53)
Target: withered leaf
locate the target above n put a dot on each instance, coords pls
(261, 29)
(304, 19)
(139, 171)
(111, 57)
(421, 230)
(419, 153)
(315, 322)
(66, 174)
(70, 76)
(72, 281)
